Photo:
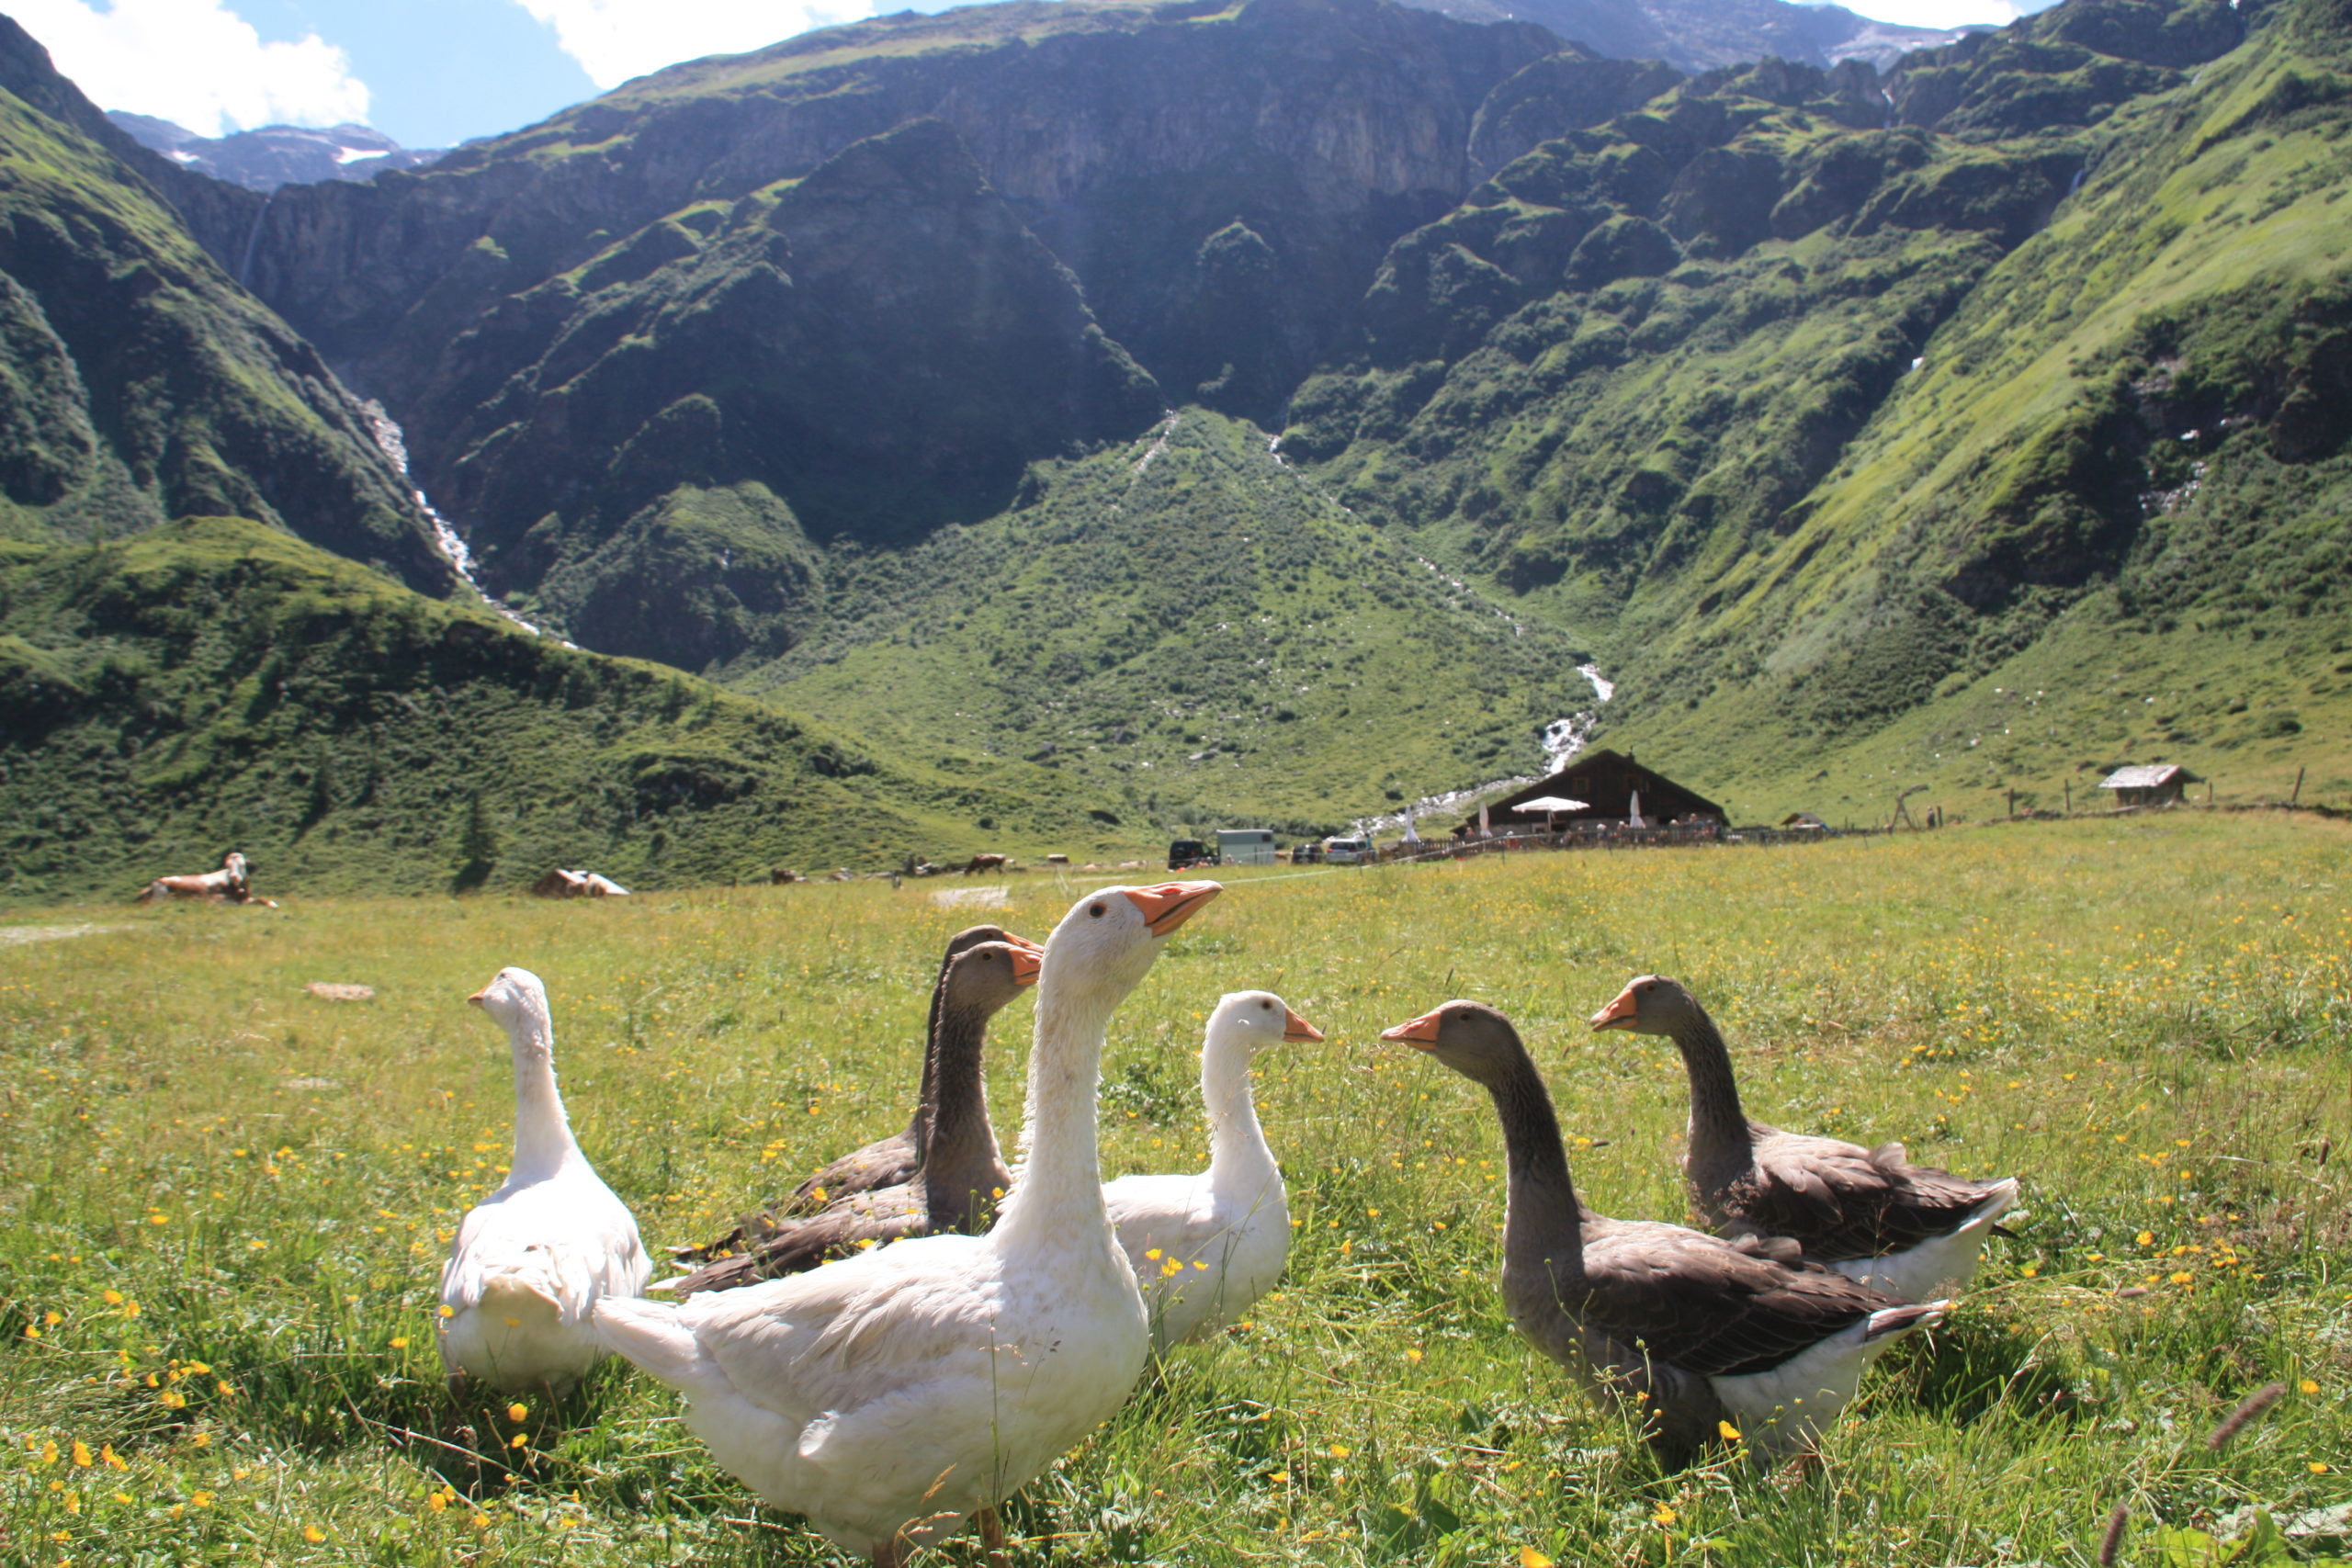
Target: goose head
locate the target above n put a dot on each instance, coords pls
(1650, 1004)
(1107, 942)
(518, 1000)
(1472, 1038)
(1252, 1020)
(970, 937)
(990, 974)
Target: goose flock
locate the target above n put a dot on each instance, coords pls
(897, 1346)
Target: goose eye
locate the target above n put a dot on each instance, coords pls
(1266, 1007)
(1095, 910)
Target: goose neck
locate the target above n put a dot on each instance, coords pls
(1543, 1217)
(1058, 1198)
(543, 1141)
(962, 1162)
(1237, 1153)
(927, 1095)
(1718, 1123)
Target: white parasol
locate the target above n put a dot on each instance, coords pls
(1548, 804)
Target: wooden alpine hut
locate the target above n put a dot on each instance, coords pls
(1614, 789)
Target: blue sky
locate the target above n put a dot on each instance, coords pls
(433, 72)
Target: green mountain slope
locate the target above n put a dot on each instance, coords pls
(138, 382)
(1183, 630)
(215, 684)
(1805, 559)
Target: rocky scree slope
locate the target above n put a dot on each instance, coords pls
(138, 382)
(1707, 35)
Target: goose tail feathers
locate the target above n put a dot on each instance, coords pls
(1893, 1322)
(655, 1336)
(1999, 1199)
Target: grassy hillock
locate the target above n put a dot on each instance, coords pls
(1189, 631)
(216, 684)
(139, 382)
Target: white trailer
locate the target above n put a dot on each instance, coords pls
(1246, 846)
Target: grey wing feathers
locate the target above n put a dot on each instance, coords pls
(1711, 1306)
(885, 1163)
(1840, 1201)
(794, 1246)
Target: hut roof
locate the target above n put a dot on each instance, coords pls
(1607, 781)
(2148, 775)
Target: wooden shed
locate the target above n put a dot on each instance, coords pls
(1608, 782)
(2152, 784)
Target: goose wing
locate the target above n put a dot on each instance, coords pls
(1709, 1306)
(1842, 1201)
(794, 1246)
(840, 1338)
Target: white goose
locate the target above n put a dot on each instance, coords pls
(534, 1257)
(888, 1396)
(1205, 1246)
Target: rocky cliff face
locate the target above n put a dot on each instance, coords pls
(1128, 137)
(137, 382)
(865, 354)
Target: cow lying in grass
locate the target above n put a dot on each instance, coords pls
(232, 884)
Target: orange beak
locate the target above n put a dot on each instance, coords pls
(1619, 1014)
(1013, 941)
(1297, 1028)
(477, 997)
(1171, 904)
(1026, 961)
(1421, 1032)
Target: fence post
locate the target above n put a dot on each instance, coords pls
(2298, 795)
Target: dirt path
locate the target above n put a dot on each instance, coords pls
(17, 936)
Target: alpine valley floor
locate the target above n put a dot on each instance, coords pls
(227, 1200)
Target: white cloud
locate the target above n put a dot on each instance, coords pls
(616, 39)
(1940, 13)
(194, 61)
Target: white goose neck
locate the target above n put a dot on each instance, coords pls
(1057, 1200)
(1239, 1161)
(543, 1141)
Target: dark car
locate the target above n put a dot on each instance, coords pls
(1186, 852)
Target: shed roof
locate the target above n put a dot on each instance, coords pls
(2147, 776)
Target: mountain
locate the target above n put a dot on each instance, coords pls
(1705, 35)
(139, 383)
(274, 155)
(1095, 418)
(1982, 452)
(1183, 630)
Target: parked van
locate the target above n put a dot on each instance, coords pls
(1348, 852)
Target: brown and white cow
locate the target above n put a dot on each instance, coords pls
(231, 883)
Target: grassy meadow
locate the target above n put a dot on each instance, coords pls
(226, 1201)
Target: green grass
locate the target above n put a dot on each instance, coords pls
(2146, 1018)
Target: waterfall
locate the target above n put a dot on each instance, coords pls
(453, 545)
(252, 239)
